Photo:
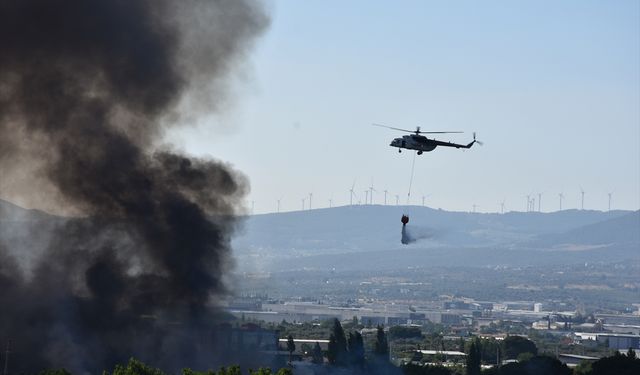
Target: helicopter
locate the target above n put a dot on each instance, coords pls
(420, 143)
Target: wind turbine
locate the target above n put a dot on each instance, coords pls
(474, 208)
(366, 197)
(528, 202)
(385, 197)
(352, 193)
(561, 196)
(533, 204)
(252, 205)
(372, 190)
(423, 197)
(397, 200)
(502, 207)
(582, 199)
(303, 199)
(609, 194)
(310, 196)
(279, 204)
(540, 202)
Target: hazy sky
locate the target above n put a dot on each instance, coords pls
(551, 87)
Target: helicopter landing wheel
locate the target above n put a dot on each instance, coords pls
(419, 152)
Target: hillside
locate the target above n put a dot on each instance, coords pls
(374, 227)
(368, 237)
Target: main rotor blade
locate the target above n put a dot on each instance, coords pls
(450, 132)
(390, 127)
(417, 131)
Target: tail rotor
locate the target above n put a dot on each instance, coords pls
(475, 140)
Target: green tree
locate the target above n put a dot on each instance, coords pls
(583, 368)
(267, 371)
(473, 357)
(513, 346)
(291, 347)
(411, 369)
(135, 367)
(61, 371)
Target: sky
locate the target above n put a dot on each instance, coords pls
(552, 88)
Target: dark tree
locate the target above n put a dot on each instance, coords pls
(332, 350)
(617, 364)
(534, 366)
(473, 357)
(339, 350)
(400, 332)
(356, 349)
(381, 348)
(291, 347)
(515, 345)
(631, 353)
(317, 354)
(490, 350)
(61, 371)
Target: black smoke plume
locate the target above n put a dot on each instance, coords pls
(87, 89)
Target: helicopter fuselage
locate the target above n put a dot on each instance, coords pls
(422, 144)
(414, 142)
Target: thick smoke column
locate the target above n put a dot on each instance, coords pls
(86, 89)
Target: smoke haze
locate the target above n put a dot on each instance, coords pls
(86, 91)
